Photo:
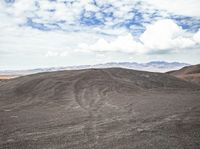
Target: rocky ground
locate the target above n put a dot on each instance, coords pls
(189, 73)
(99, 109)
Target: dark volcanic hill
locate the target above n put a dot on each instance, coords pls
(99, 109)
(188, 73)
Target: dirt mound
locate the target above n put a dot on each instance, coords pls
(99, 108)
(194, 69)
(188, 73)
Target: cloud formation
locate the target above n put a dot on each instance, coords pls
(61, 28)
(161, 35)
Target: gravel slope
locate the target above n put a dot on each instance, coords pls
(99, 109)
(189, 73)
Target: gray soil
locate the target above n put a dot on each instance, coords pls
(99, 109)
(193, 69)
(188, 73)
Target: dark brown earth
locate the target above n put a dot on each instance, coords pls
(188, 73)
(99, 109)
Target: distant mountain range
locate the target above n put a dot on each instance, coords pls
(154, 66)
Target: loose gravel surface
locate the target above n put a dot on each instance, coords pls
(99, 109)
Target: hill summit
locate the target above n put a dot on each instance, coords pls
(99, 109)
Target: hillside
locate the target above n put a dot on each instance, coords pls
(6, 77)
(188, 73)
(153, 66)
(99, 109)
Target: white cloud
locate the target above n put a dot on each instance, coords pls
(197, 37)
(163, 30)
(29, 41)
(51, 54)
(111, 37)
(165, 34)
(56, 53)
(161, 35)
(121, 10)
(179, 7)
(182, 43)
(123, 43)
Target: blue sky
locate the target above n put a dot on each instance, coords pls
(50, 33)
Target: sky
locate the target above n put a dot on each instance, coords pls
(53, 33)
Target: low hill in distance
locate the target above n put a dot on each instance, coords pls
(111, 108)
(153, 66)
(188, 73)
(6, 77)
